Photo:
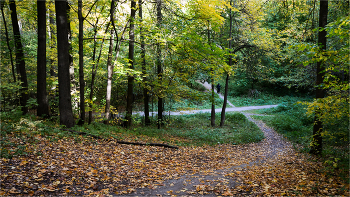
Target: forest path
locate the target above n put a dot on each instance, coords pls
(273, 148)
(218, 110)
(208, 87)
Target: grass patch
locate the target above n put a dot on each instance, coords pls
(185, 130)
(193, 104)
(291, 121)
(264, 99)
(194, 129)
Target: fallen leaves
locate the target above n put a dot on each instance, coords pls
(98, 167)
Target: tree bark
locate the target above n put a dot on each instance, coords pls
(110, 66)
(223, 111)
(316, 143)
(81, 63)
(130, 98)
(53, 69)
(212, 114)
(65, 103)
(73, 87)
(43, 104)
(93, 72)
(8, 41)
(20, 63)
(144, 72)
(159, 64)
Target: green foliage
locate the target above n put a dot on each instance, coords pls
(292, 121)
(195, 130)
(264, 99)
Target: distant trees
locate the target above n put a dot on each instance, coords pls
(251, 43)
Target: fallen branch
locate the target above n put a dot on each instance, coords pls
(123, 142)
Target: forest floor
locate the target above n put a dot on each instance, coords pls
(103, 167)
(88, 166)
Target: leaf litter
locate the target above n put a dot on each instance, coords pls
(104, 167)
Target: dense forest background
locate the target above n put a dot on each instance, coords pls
(120, 97)
(79, 60)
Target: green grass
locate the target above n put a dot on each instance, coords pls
(186, 130)
(192, 104)
(263, 99)
(291, 120)
(195, 129)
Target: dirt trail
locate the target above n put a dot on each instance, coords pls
(204, 183)
(208, 87)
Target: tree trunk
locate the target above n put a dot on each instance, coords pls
(43, 105)
(159, 65)
(81, 63)
(93, 73)
(52, 44)
(144, 72)
(65, 103)
(222, 121)
(212, 115)
(94, 70)
(130, 98)
(316, 143)
(8, 41)
(110, 66)
(20, 63)
(71, 66)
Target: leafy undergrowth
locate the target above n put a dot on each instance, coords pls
(264, 99)
(194, 129)
(57, 162)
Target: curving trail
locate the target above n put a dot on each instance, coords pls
(268, 150)
(216, 181)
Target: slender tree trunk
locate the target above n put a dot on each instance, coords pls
(222, 121)
(212, 115)
(52, 44)
(43, 104)
(65, 103)
(8, 41)
(93, 73)
(81, 63)
(130, 98)
(20, 63)
(110, 66)
(159, 65)
(144, 72)
(316, 144)
(94, 70)
(75, 101)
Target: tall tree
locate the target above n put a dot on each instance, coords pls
(2, 4)
(144, 73)
(159, 64)
(212, 114)
(43, 104)
(65, 103)
(222, 121)
(110, 65)
(20, 63)
(81, 63)
(130, 98)
(316, 144)
(93, 71)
